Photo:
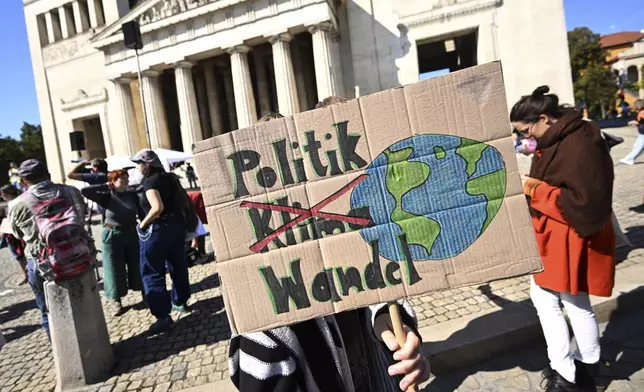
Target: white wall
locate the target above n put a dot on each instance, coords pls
(533, 47)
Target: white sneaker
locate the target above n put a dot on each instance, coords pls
(627, 162)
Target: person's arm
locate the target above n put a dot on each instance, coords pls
(75, 174)
(98, 193)
(156, 207)
(259, 363)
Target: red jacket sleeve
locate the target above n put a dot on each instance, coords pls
(544, 200)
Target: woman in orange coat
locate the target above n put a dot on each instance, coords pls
(570, 189)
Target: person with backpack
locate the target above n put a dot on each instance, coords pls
(162, 234)
(119, 240)
(50, 219)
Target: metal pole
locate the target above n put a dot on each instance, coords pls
(145, 112)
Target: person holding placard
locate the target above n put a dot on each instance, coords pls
(569, 189)
(353, 351)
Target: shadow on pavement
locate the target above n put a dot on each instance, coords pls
(639, 209)
(14, 333)
(635, 235)
(622, 346)
(529, 360)
(205, 325)
(209, 282)
(16, 310)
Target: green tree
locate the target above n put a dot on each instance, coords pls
(593, 82)
(30, 145)
(31, 141)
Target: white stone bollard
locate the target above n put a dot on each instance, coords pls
(79, 337)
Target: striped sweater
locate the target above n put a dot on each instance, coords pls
(332, 353)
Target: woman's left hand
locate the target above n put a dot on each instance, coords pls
(412, 365)
(529, 184)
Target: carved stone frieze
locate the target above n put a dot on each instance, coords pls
(66, 50)
(166, 8)
(440, 10)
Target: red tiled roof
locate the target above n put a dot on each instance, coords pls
(621, 38)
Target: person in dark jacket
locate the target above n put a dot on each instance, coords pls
(120, 243)
(570, 190)
(162, 234)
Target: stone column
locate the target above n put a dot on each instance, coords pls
(202, 101)
(230, 97)
(325, 72)
(153, 96)
(66, 25)
(287, 101)
(51, 37)
(262, 83)
(80, 17)
(244, 100)
(188, 109)
(125, 106)
(95, 16)
(213, 98)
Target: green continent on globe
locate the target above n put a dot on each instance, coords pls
(471, 151)
(492, 187)
(439, 152)
(402, 177)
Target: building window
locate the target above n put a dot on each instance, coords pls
(447, 54)
(69, 17)
(55, 22)
(42, 29)
(84, 15)
(631, 74)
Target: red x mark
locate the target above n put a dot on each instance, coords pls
(304, 214)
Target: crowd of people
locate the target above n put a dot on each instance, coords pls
(569, 193)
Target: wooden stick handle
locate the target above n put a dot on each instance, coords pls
(399, 332)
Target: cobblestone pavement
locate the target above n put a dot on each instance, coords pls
(195, 352)
(621, 369)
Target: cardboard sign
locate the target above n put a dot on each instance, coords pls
(391, 195)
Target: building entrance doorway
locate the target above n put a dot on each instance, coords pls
(93, 132)
(446, 54)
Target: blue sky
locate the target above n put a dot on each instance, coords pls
(18, 95)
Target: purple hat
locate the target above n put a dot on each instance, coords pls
(32, 169)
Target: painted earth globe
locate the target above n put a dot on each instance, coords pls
(440, 191)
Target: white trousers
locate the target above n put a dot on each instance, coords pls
(555, 329)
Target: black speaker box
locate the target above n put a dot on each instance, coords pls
(77, 140)
(132, 35)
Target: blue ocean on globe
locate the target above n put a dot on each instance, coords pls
(441, 191)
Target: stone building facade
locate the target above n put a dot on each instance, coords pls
(213, 66)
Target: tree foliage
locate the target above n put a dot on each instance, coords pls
(593, 80)
(30, 145)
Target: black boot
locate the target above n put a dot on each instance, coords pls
(553, 382)
(585, 376)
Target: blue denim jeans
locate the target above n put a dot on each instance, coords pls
(638, 147)
(162, 248)
(37, 283)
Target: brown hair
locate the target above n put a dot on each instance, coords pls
(332, 100)
(270, 116)
(638, 105)
(115, 175)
